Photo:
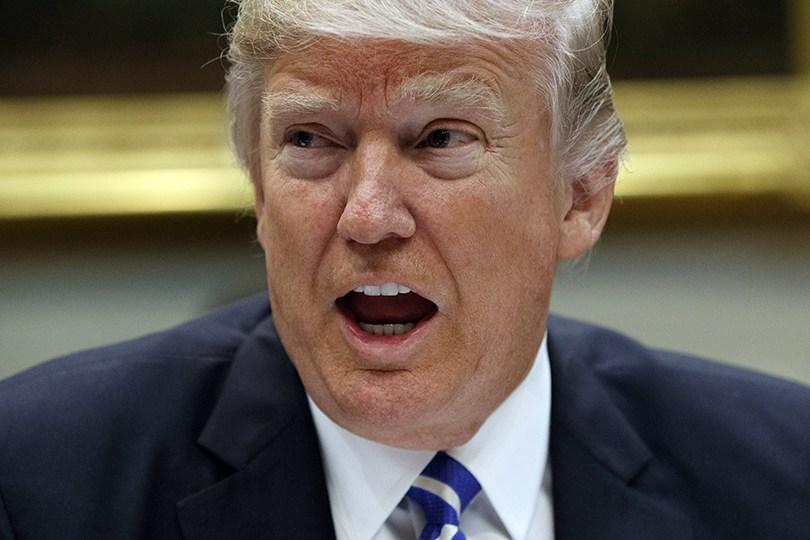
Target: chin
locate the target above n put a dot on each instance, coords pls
(394, 409)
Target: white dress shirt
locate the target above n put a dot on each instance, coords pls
(367, 481)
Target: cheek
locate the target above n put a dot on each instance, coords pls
(298, 219)
(500, 246)
(501, 230)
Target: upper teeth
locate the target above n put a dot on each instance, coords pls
(386, 289)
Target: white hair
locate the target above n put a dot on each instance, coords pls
(566, 39)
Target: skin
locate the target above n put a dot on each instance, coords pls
(362, 186)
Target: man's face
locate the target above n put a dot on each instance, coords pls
(407, 191)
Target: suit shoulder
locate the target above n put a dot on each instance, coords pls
(108, 437)
(728, 447)
(612, 355)
(674, 399)
(136, 375)
(740, 423)
(216, 335)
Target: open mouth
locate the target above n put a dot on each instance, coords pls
(386, 310)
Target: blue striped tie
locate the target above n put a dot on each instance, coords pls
(443, 490)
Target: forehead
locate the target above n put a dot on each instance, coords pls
(347, 70)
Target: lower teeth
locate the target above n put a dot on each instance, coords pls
(387, 329)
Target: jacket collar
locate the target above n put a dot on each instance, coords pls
(262, 429)
(606, 483)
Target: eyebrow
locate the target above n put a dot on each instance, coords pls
(448, 89)
(278, 104)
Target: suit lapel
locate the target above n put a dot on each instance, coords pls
(606, 483)
(261, 428)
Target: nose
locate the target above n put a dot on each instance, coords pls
(375, 209)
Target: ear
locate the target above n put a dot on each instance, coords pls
(587, 213)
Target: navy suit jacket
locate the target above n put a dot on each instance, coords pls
(204, 432)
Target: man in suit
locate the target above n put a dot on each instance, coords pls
(419, 170)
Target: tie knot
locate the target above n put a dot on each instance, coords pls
(443, 490)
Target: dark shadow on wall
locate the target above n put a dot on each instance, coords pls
(114, 46)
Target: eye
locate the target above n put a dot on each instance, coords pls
(309, 152)
(450, 149)
(307, 139)
(438, 138)
(445, 138)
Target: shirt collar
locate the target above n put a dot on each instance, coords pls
(367, 480)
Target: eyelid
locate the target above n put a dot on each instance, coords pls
(315, 130)
(456, 126)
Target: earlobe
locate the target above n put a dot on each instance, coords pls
(586, 217)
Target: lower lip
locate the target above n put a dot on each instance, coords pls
(374, 344)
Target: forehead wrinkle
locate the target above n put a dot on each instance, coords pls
(470, 92)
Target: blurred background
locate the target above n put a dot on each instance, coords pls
(121, 211)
